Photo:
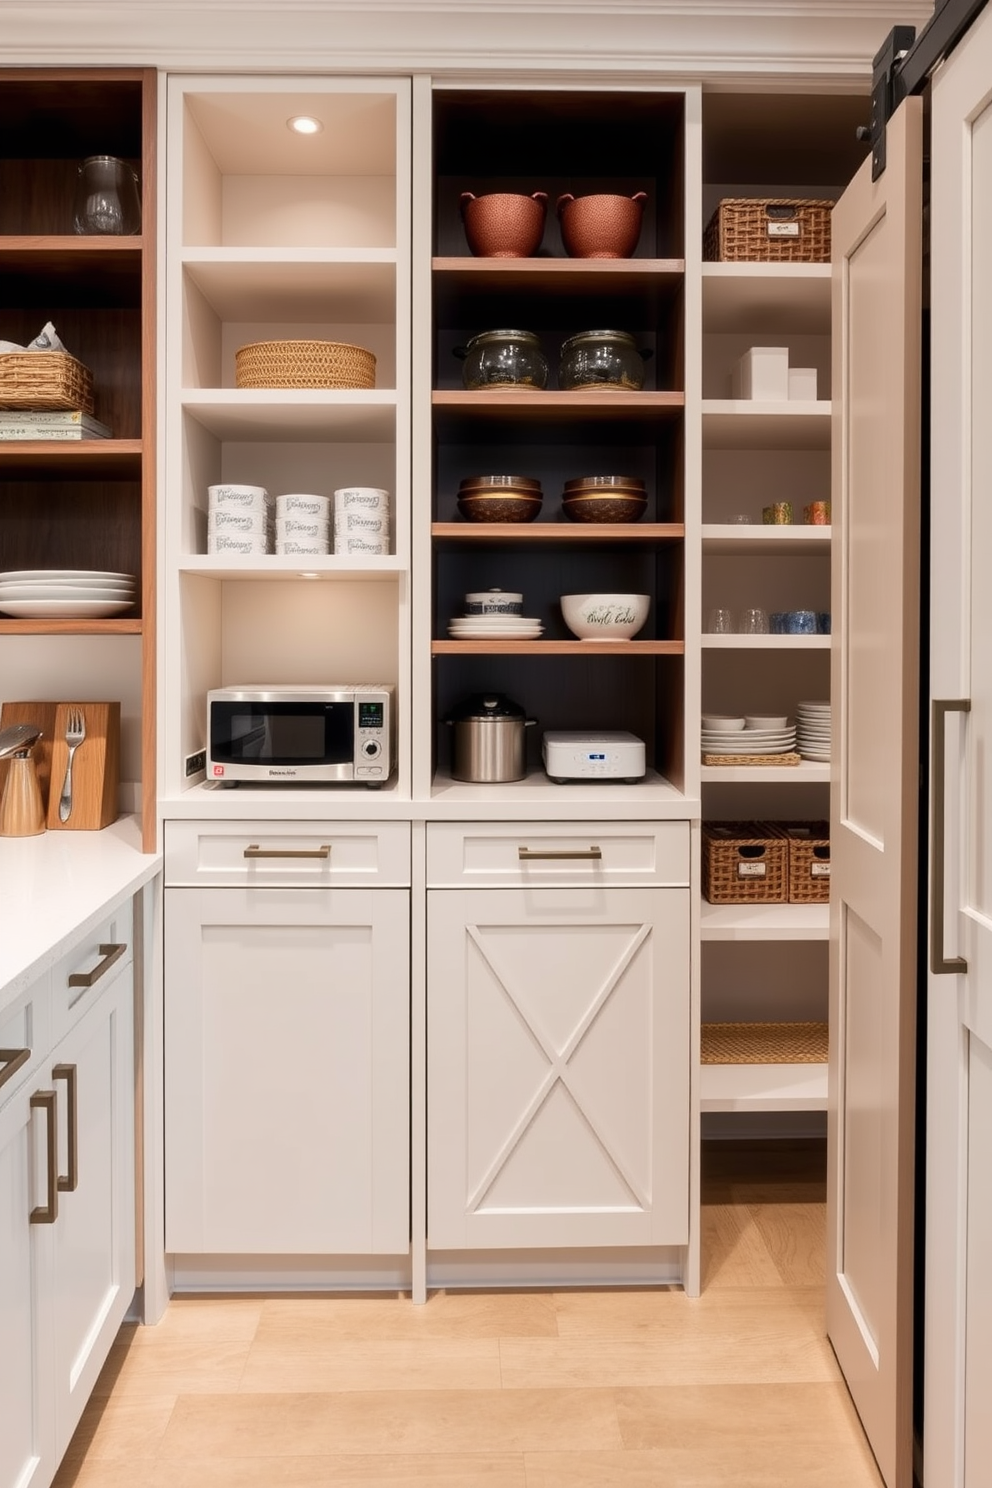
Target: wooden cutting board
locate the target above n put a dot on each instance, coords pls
(43, 714)
(95, 768)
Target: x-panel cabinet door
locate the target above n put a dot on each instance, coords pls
(558, 1045)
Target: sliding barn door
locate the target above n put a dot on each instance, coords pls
(877, 228)
(958, 1377)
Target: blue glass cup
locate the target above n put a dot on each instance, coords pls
(800, 622)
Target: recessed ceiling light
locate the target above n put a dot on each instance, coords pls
(309, 576)
(305, 124)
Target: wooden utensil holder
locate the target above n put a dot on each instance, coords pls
(95, 768)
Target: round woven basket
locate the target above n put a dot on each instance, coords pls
(304, 364)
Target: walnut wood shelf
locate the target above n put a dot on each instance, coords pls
(544, 406)
(580, 534)
(86, 459)
(71, 627)
(557, 648)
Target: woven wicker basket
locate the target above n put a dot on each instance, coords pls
(769, 230)
(744, 863)
(43, 380)
(809, 861)
(304, 364)
(764, 1043)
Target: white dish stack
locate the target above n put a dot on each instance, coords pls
(239, 520)
(303, 524)
(361, 521)
(815, 731)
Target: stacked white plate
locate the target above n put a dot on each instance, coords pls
(749, 741)
(495, 628)
(65, 593)
(814, 731)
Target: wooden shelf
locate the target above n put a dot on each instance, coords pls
(736, 423)
(807, 772)
(262, 284)
(79, 459)
(71, 627)
(545, 406)
(773, 298)
(575, 274)
(288, 415)
(557, 648)
(524, 534)
(755, 1085)
(765, 642)
(774, 922)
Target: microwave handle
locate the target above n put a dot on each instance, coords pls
(254, 851)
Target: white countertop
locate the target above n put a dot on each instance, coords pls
(55, 887)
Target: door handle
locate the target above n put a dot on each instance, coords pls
(67, 1072)
(586, 853)
(254, 851)
(110, 954)
(940, 964)
(48, 1213)
(12, 1059)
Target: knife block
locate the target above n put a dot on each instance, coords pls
(95, 768)
(43, 714)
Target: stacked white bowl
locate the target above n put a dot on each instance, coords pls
(303, 524)
(815, 731)
(238, 520)
(361, 521)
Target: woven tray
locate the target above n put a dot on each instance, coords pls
(44, 379)
(769, 230)
(751, 759)
(303, 364)
(744, 863)
(809, 861)
(764, 1043)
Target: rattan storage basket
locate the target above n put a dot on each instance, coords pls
(809, 861)
(764, 1043)
(43, 380)
(304, 364)
(744, 863)
(769, 230)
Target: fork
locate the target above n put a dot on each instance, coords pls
(75, 733)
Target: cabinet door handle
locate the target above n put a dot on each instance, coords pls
(12, 1059)
(940, 964)
(110, 954)
(48, 1213)
(67, 1072)
(254, 851)
(586, 853)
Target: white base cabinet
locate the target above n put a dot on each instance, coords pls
(67, 1217)
(558, 1051)
(287, 1071)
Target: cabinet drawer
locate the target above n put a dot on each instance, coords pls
(289, 854)
(83, 973)
(25, 1035)
(522, 854)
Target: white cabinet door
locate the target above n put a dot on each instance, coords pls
(94, 1237)
(27, 1436)
(287, 1071)
(874, 805)
(558, 1049)
(958, 1327)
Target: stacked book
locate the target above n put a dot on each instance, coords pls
(54, 423)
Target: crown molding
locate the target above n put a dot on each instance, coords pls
(660, 40)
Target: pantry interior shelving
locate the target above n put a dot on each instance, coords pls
(89, 504)
(283, 236)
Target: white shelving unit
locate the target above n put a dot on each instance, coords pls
(274, 235)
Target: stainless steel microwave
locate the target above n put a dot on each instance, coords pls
(300, 734)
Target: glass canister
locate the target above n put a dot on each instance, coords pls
(601, 359)
(495, 359)
(107, 201)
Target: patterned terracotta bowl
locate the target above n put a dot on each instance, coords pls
(601, 226)
(503, 224)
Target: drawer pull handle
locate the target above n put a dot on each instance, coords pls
(12, 1059)
(67, 1072)
(110, 954)
(254, 851)
(586, 853)
(48, 1213)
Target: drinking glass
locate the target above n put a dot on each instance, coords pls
(720, 622)
(753, 622)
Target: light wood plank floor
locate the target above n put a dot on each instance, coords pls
(572, 1389)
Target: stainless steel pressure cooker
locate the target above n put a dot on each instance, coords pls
(489, 739)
